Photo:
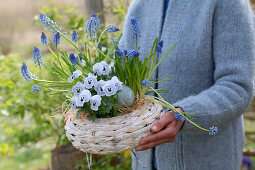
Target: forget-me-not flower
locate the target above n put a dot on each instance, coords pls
(78, 88)
(83, 98)
(75, 75)
(44, 39)
(74, 36)
(95, 102)
(99, 87)
(26, 73)
(110, 88)
(37, 57)
(90, 81)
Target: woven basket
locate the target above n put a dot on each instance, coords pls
(113, 135)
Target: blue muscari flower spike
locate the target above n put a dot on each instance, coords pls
(111, 28)
(146, 83)
(135, 27)
(37, 57)
(74, 36)
(247, 162)
(44, 39)
(179, 117)
(99, 46)
(119, 53)
(80, 56)
(49, 24)
(133, 53)
(159, 47)
(74, 60)
(26, 73)
(56, 39)
(36, 88)
(114, 41)
(92, 25)
(213, 130)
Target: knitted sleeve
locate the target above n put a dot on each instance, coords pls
(233, 54)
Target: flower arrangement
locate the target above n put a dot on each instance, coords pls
(105, 84)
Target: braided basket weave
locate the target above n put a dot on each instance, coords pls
(113, 135)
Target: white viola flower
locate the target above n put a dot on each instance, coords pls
(99, 87)
(90, 81)
(83, 98)
(78, 88)
(73, 102)
(75, 75)
(95, 102)
(105, 68)
(97, 69)
(110, 88)
(117, 83)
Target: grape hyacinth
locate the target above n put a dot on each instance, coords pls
(26, 73)
(44, 39)
(146, 83)
(135, 27)
(90, 81)
(119, 53)
(133, 53)
(159, 47)
(49, 24)
(95, 102)
(36, 88)
(75, 75)
(56, 38)
(83, 98)
(111, 28)
(74, 36)
(37, 57)
(213, 130)
(92, 25)
(74, 60)
(99, 46)
(179, 117)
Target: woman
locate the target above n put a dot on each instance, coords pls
(212, 70)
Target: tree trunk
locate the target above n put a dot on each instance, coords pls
(94, 6)
(65, 157)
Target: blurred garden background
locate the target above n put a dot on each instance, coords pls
(31, 125)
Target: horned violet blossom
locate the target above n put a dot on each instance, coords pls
(105, 68)
(83, 98)
(37, 57)
(110, 88)
(78, 88)
(75, 75)
(116, 82)
(73, 102)
(95, 102)
(99, 87)
(90, 81)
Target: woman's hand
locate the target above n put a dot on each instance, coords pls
(166, 130)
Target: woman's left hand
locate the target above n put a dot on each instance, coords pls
(165, 130)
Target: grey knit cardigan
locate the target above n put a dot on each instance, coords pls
(212, 70)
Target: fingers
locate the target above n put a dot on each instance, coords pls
(160, 124)
(154, 143)
(169, 132)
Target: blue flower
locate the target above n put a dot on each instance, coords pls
(110, 88)
(74, 36)
(133, 53)
(116, 82)
(146, 83)
(49, 24)
(74, 60)
(99, 87)
(83, 98)
(179, 117)
(95, 102)
(99, 46)
(247, 162)
(135, 27)
(119, 53)
(97, 69)
(44, 39)
(92, 25)
(80, 56)
(37, 57)
(26, 73)
(105, 68)
(90, 81)
(213, 130)
(114, 41)
(75, 75)
(56, 39)
(73, 102)
(111, 28)
(159, 47)
(36, 88)
(78, 88)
